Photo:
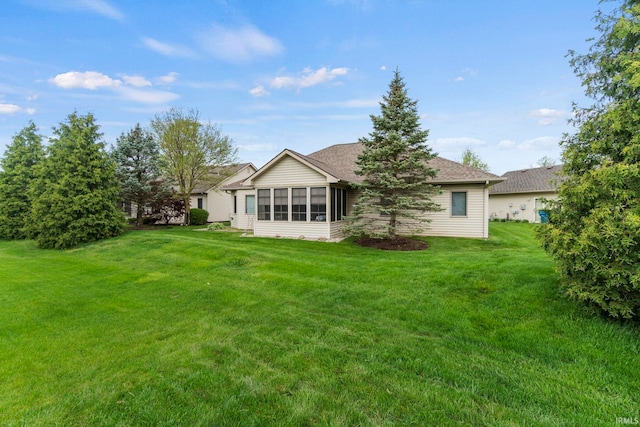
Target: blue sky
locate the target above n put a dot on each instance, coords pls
(488, 75)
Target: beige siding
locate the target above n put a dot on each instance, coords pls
(501, 205)
(472, 225)
(294, 229)
(475, 224)
(289, 172)
(241, 220)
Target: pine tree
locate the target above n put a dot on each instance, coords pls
(137, 157)
(594, 231)
(396, 190)
(18, 168)
(76, 191)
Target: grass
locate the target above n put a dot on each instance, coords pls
(176, 327)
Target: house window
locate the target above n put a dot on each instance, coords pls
(235, 204)
(264, 205)
(338, 204)
(318, 204)
(458, 203)
(280, 204)
(298, 204)
(250, 204)
(199, 202)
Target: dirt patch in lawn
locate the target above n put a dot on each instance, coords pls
(396, 244)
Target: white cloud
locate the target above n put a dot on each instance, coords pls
(548, 116)
(383, 68)
(243, 44)
(86, 80)
(166, 49)
(506, 144)
(456, 143)
(137, 88)
(9, 108)
(459, 79)
(31, 111)
(32, 97)
(308, 78)
(259, 91)
(101, 7)
(537, 144)
(137, 81)
(168, 79)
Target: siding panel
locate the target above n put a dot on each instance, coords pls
(289, 172)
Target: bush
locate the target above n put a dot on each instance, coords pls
(198, 216)
(215, 226)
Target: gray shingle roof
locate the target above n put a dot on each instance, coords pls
(218, 175)
(544, 179)
(340, 161)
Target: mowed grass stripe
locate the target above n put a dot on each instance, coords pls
(177, 327)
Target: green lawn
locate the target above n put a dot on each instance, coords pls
(178, 327)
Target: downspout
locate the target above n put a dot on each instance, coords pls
(485, 201)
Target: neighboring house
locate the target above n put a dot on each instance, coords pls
(522, 194)
(217, 202)
(300, 196)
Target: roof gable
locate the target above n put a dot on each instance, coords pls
(318, 167)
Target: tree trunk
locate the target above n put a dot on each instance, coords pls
(187, 208)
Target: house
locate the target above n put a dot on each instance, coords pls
(522, 194)
(309, 196)
(209, 195)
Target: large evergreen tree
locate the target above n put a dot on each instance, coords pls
(18, 168)
(76, 191)
(594, 231)
(137, 158)
(396, 190)
(190, 149)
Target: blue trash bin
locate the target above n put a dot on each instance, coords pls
(544, 216)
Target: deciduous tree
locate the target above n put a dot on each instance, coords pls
(17, 171)
(470, 158)
(396, 189)
(594, 231)
(190, 149)
(76, 192)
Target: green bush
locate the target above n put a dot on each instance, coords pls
(198, 216)
(215, 226)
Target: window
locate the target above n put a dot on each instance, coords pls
(264, 205)
(250, 204)
(318, 204)
(298, 204)
(338, 204)
(458, 203)
(199, 202)
(280, 204)
(235, 204)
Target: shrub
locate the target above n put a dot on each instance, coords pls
(215, 226)
(198, 216)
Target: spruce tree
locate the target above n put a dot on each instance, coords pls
(396, 190)
(18, 168)
(594, 230)
(137, 157)
(76, 191)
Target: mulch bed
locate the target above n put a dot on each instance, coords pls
(397, 244)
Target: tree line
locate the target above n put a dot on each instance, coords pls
(72, 190)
